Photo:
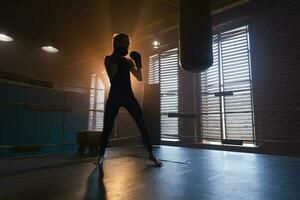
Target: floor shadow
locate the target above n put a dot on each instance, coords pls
(95, 186)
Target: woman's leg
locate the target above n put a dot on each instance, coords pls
(136, 112)
(111, 111)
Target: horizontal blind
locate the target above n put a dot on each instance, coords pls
(99, 105)
(169, 93)
(237, 79)
(92, 102)
(153, 74)
(97, 97)
(210, 104)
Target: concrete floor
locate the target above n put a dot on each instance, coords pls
(187, 174)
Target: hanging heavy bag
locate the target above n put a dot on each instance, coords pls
(195, 35)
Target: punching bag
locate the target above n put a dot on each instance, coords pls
(195, 35)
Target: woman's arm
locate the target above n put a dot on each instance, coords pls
(111, 67)
(136, 71)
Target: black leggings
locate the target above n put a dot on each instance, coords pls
(112, 107)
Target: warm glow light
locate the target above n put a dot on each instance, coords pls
(155, 44)
(5, 38)
(50, 49)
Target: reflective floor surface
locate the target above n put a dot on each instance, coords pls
(187, 174)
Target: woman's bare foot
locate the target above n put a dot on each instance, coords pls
(100, 160)
(156, 162)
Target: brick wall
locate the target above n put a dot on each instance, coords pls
(274, 35)
(274, 40)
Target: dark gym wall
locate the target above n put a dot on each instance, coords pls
(274, 44)
(33, 125)
(274, 37)
(274, 34)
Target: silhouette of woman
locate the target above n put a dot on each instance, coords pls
(118, 68)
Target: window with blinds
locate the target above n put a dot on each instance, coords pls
(163, 70)
(96, 112)
(210, 104)
(169, 94)
(226, 89)
(154, 62)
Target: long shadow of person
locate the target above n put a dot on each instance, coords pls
(95, 186)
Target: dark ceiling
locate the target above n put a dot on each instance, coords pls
(74, 27)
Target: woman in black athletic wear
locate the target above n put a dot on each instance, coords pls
(118, 68)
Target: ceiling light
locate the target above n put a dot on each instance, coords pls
(5, 38)
(155, 44)
(50, 49)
